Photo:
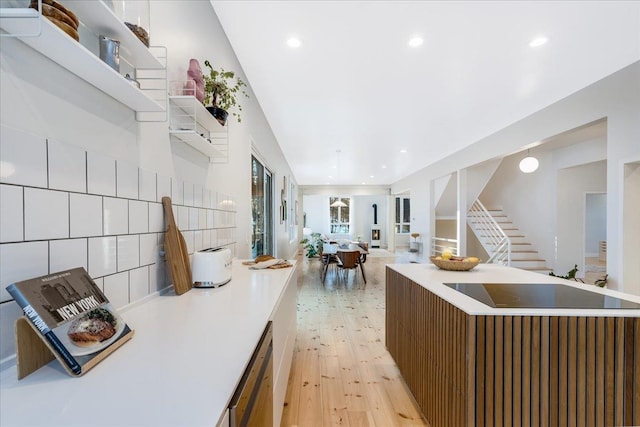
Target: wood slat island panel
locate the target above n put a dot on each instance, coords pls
(495, 370)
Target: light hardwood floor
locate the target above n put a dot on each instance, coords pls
(342, 373)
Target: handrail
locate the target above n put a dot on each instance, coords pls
(439, 248)
(494, 239)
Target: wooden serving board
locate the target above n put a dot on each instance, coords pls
(175, 249)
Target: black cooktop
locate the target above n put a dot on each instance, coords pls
(539, 295)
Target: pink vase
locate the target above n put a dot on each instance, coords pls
(194, 73)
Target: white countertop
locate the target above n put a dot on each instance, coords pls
(180, 369)
(432, 278)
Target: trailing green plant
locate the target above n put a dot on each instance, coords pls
(571, 275)
(601, 282)
(312, 244)
(221, 88)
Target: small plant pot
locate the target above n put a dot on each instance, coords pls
(220, 114)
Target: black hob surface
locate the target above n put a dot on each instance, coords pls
(539, 295)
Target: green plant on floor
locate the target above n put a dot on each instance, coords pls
(312, 244)
(601, 283)
(571, 275)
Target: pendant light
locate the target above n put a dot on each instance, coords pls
(338, 204)
(529, 164)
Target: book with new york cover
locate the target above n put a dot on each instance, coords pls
(73, 315)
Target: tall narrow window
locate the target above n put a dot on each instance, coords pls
(339, 211)
(403, 215)
(261, 209)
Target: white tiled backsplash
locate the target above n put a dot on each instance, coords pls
(63, 207)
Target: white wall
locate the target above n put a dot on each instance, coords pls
(316, 209)
(199, 35)
(44, 100)
(616, 98)
(595, 223)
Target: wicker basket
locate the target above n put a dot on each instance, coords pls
(445, 264)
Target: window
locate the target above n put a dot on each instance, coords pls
(261, 212)
(403, 215)
(339, 208)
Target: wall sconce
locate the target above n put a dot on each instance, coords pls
(529, 164)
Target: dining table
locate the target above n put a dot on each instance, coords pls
(331, 249)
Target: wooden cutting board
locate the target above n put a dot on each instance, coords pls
(175, 250)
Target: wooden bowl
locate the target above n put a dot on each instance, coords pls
(445, 264)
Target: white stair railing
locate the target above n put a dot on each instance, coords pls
(440, 245)
(493, 238)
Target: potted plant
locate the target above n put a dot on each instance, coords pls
(313, 245)
(220, 90)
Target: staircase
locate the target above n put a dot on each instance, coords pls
(498, 235)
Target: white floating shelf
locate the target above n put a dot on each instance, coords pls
(65, 51)
(189, 116)
(195, 140)
(97, 16)
(18, 12)
(189, 105)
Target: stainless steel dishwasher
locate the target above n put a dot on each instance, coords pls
(252, 403)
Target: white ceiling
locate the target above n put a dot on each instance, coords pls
(356, 86)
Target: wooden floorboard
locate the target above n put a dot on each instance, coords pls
(342, 374)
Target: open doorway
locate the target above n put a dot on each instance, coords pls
(595, 236)
(445, 238)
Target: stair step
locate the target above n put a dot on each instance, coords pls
(514, 241)
(525, 256)
(503, 228)
(528, 263)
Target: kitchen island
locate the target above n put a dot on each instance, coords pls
(469, 364)
(180, 369)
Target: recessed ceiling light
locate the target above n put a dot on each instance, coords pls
(371, 176)
(294, 42)
(538, 41)
(403, 151)
(364, 183)
(416, 41)
(384, 166)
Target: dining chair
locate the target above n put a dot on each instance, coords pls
(350, 260)
(328, 261)
(365, 246)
